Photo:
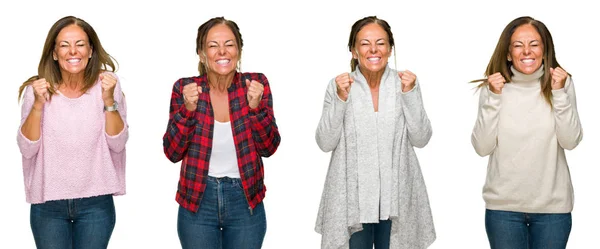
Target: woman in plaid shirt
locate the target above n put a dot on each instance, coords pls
(220, 125)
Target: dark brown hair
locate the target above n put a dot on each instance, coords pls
(500, 63)
(203, 31)
(49, 68)
(358, 25)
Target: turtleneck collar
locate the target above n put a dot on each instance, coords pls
(522, 78)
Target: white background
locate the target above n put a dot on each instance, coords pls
(300, 46)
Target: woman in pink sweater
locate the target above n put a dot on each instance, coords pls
(72, 137)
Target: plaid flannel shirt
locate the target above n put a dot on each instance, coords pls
(189, 138)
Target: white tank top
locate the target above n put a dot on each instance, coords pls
(223, 159)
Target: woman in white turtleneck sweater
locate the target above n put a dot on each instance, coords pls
(527, 117)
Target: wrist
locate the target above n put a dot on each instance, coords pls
(38, 106)
(108, 102)
(112, 107)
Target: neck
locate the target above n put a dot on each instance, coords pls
(72, 81)
(373, 78)
(220, 82)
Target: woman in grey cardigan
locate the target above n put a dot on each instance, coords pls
(372, 117)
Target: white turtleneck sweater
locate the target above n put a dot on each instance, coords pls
(525, 138)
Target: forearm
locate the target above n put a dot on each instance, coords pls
(331, 123)
(265, 132)
(418, 124)
(31, 128)
(114, 123)
(485, 132)
(568, 127)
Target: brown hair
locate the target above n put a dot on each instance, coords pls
(358, 25)
(203, 31)
(49, 68)
(499, 61)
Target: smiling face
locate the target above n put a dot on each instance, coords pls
(526, 50)
(72, 50)
(372, 48)
(220, 53)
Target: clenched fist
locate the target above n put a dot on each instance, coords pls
(559, 77)
(108, 82)
(343, 82)
(408, 79)
(40, 91)
(190, 96)
(496, 83)
(255, 92)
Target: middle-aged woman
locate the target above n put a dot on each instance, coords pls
(372, 117)
(527, 117)
(72, 137)
(220, 126)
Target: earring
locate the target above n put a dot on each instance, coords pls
(54, 58)
(90, 56)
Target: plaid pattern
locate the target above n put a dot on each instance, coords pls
(189, 138)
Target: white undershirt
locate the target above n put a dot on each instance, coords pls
(223, 159)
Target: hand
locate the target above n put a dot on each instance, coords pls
(255, 92)
(343, 83)
(408, 79)
(496, 83)
(108, 82)
(559, 77)
(191, 92)
(40, 91)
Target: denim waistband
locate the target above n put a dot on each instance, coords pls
(223, 179)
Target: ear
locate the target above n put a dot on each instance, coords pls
(54, 57)
(91, 51)
(508, 57)
(201, 55)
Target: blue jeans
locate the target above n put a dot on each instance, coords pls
(377, 234)
(514, 230)
(224, 219)
(73, 224)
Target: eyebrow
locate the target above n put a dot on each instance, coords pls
(524, 42)
(218, 43)
(378, 40)
(75, 41)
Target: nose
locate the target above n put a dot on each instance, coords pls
(373, 48)
(72, 50)
(221, 50)
(527, 50)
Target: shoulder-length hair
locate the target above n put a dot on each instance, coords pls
(49, 68)
(500, 63)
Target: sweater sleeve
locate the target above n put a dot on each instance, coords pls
(117, 142)
(419, 127)
(27, 147)
(485, 133)
(568, 128)
(330, 126)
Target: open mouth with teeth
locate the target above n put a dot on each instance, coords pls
(74, 61)
(223, 62)
(528, 61)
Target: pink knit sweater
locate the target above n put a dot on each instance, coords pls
(74, 157)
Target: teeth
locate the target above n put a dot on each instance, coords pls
(222, 62)
(527, 61)
(73, 60)
(374, 59)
